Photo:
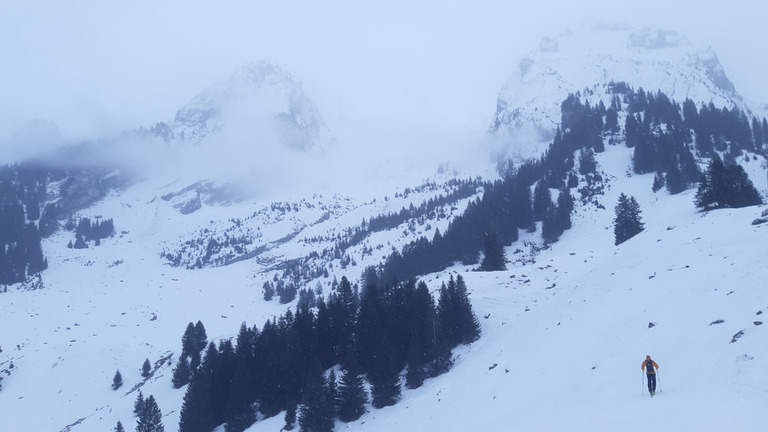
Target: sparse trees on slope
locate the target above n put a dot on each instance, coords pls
(146, 369)
(117, 381)
(627, 222)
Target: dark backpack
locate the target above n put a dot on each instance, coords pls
(649, 366)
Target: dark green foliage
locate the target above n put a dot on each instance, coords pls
(587, 163)
(429, 354)
(22, 188)
(542, 200)
(351, 395)
(644, 156)
(550, 227)
(384, 379)
(726, 186)
(193, 342)
(150, 417)
(564, 208)
(99, 229)
(119, 427)
(757, 134)
(146, 369)
(48, 223)
(138, 405)
(286, 292)
(290, 417)
(658, 182)
(196, 410)
(494, 258)
(181, 373)
(611, 120)
(455, 314)
(627, 222)
(117, 381)
(393, 328)
(317, 411)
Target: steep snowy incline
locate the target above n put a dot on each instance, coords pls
(563, 338)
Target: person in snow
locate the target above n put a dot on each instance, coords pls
(650, 366)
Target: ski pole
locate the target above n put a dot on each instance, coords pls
(642, 384)
(658, 378)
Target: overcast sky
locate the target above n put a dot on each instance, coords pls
(398, 70)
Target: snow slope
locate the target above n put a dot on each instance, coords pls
(564, 329)
(563, 337)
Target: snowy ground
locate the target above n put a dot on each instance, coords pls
(562, 344)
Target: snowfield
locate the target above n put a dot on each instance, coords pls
(564, 329)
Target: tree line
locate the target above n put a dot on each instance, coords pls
(314, 363)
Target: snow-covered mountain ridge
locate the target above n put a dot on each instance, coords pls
(528, 105)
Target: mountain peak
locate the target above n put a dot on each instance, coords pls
(528, 105)
(259, 102)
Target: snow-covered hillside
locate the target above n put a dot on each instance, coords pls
(564, 328)
(528, 105)
(563, 337)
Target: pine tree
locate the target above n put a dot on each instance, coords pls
(138, 406)
(188, 341)
(587, 162)
(119, 427)
(290, 417)
(181, 373)
(551, 228)
(469, 325)
(542, 200)
(316, 411)
(199, 342)
(385, 380)
(493, 253)
(726, 186)
(117, 381)
(455, 315)
(150, 417)
(564, 208)
(627, 222)
(146, 369)
(644, 156)
(196, 413)
(352, 397)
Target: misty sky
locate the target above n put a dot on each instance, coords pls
(396, 72)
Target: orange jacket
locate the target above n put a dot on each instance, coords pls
(655, 366)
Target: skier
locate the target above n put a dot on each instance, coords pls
(650, 366)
